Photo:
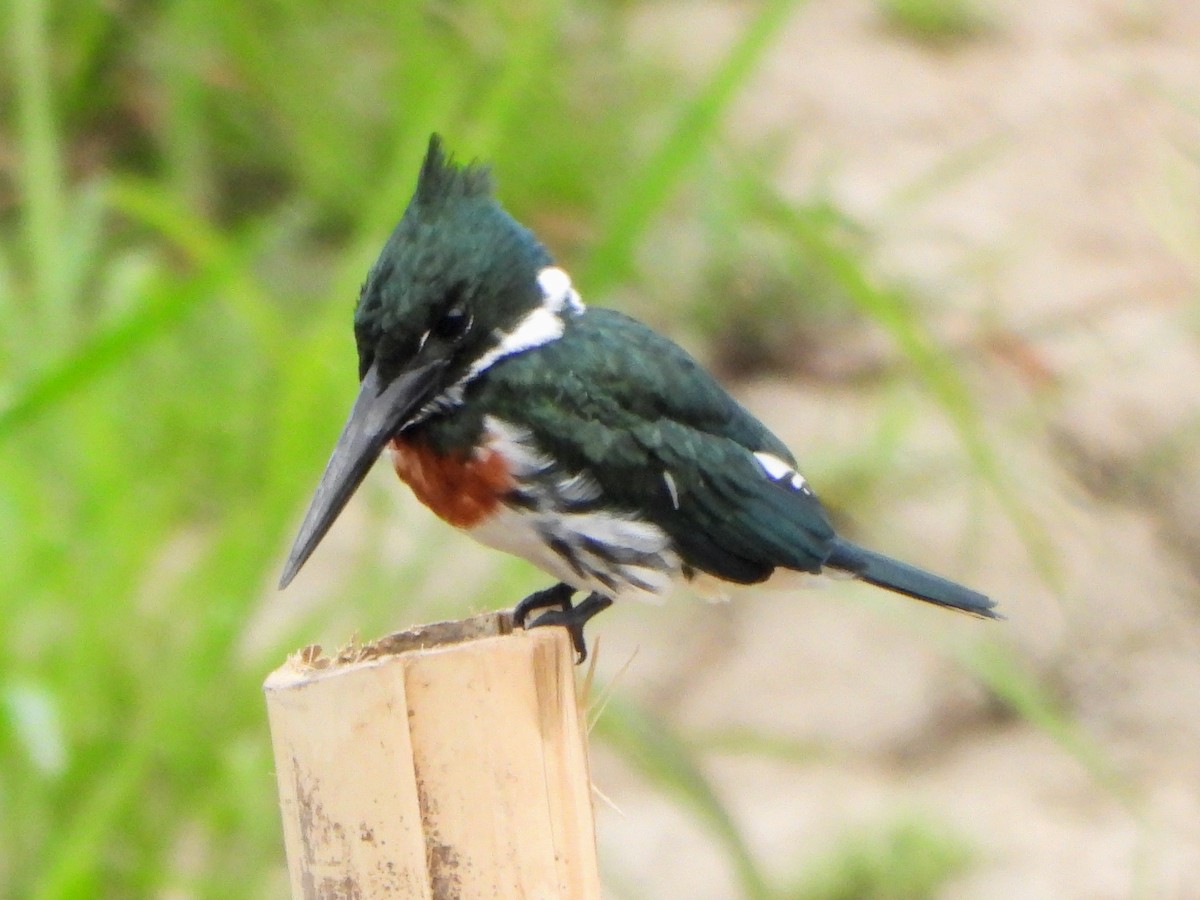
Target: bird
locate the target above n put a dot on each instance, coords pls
(570, 435)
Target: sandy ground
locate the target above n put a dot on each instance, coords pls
(1063, 258)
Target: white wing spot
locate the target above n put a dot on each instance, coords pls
(671, 489)
(778, 470)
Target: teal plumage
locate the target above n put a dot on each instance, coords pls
(574, 436)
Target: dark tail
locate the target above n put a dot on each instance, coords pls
(885, 572)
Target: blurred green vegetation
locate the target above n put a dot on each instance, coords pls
(189, 202)
(937, 21)
(905, 859)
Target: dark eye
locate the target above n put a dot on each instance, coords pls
(453, 323)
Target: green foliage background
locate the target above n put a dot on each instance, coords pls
(190, 197)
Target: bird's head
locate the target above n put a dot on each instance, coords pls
(459, 285)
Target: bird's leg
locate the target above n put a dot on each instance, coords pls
(573, 618)
(560, 595)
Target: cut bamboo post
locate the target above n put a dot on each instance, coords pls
(449, 761)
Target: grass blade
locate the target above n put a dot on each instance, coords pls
(893, 311)
(667, 761)
(612, 258)
(41, 178)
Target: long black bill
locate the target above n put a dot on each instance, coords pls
(378, 412)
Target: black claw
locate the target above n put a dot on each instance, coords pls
(560, 595)
(573, 618)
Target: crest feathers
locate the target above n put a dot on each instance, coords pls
(441, 180)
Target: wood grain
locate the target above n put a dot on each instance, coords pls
(446, 762)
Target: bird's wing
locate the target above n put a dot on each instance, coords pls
(666, 442)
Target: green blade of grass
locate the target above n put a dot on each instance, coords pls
(99, 354)
(997, 666)
(936, 21)
(747, 741)
(894, 312)
(535, 31)
(907, 859)
(221, 262)
(612, 258)
(186, 146)
(70, 869)
(40, 173)
(668, 762)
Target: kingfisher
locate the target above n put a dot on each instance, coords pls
(571, 435)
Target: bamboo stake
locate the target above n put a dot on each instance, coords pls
(445, 762)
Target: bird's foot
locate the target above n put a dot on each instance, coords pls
(560, 595)
(573, 618)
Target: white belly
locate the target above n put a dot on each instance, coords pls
(593, 551)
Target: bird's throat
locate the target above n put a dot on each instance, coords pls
(463, 489)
